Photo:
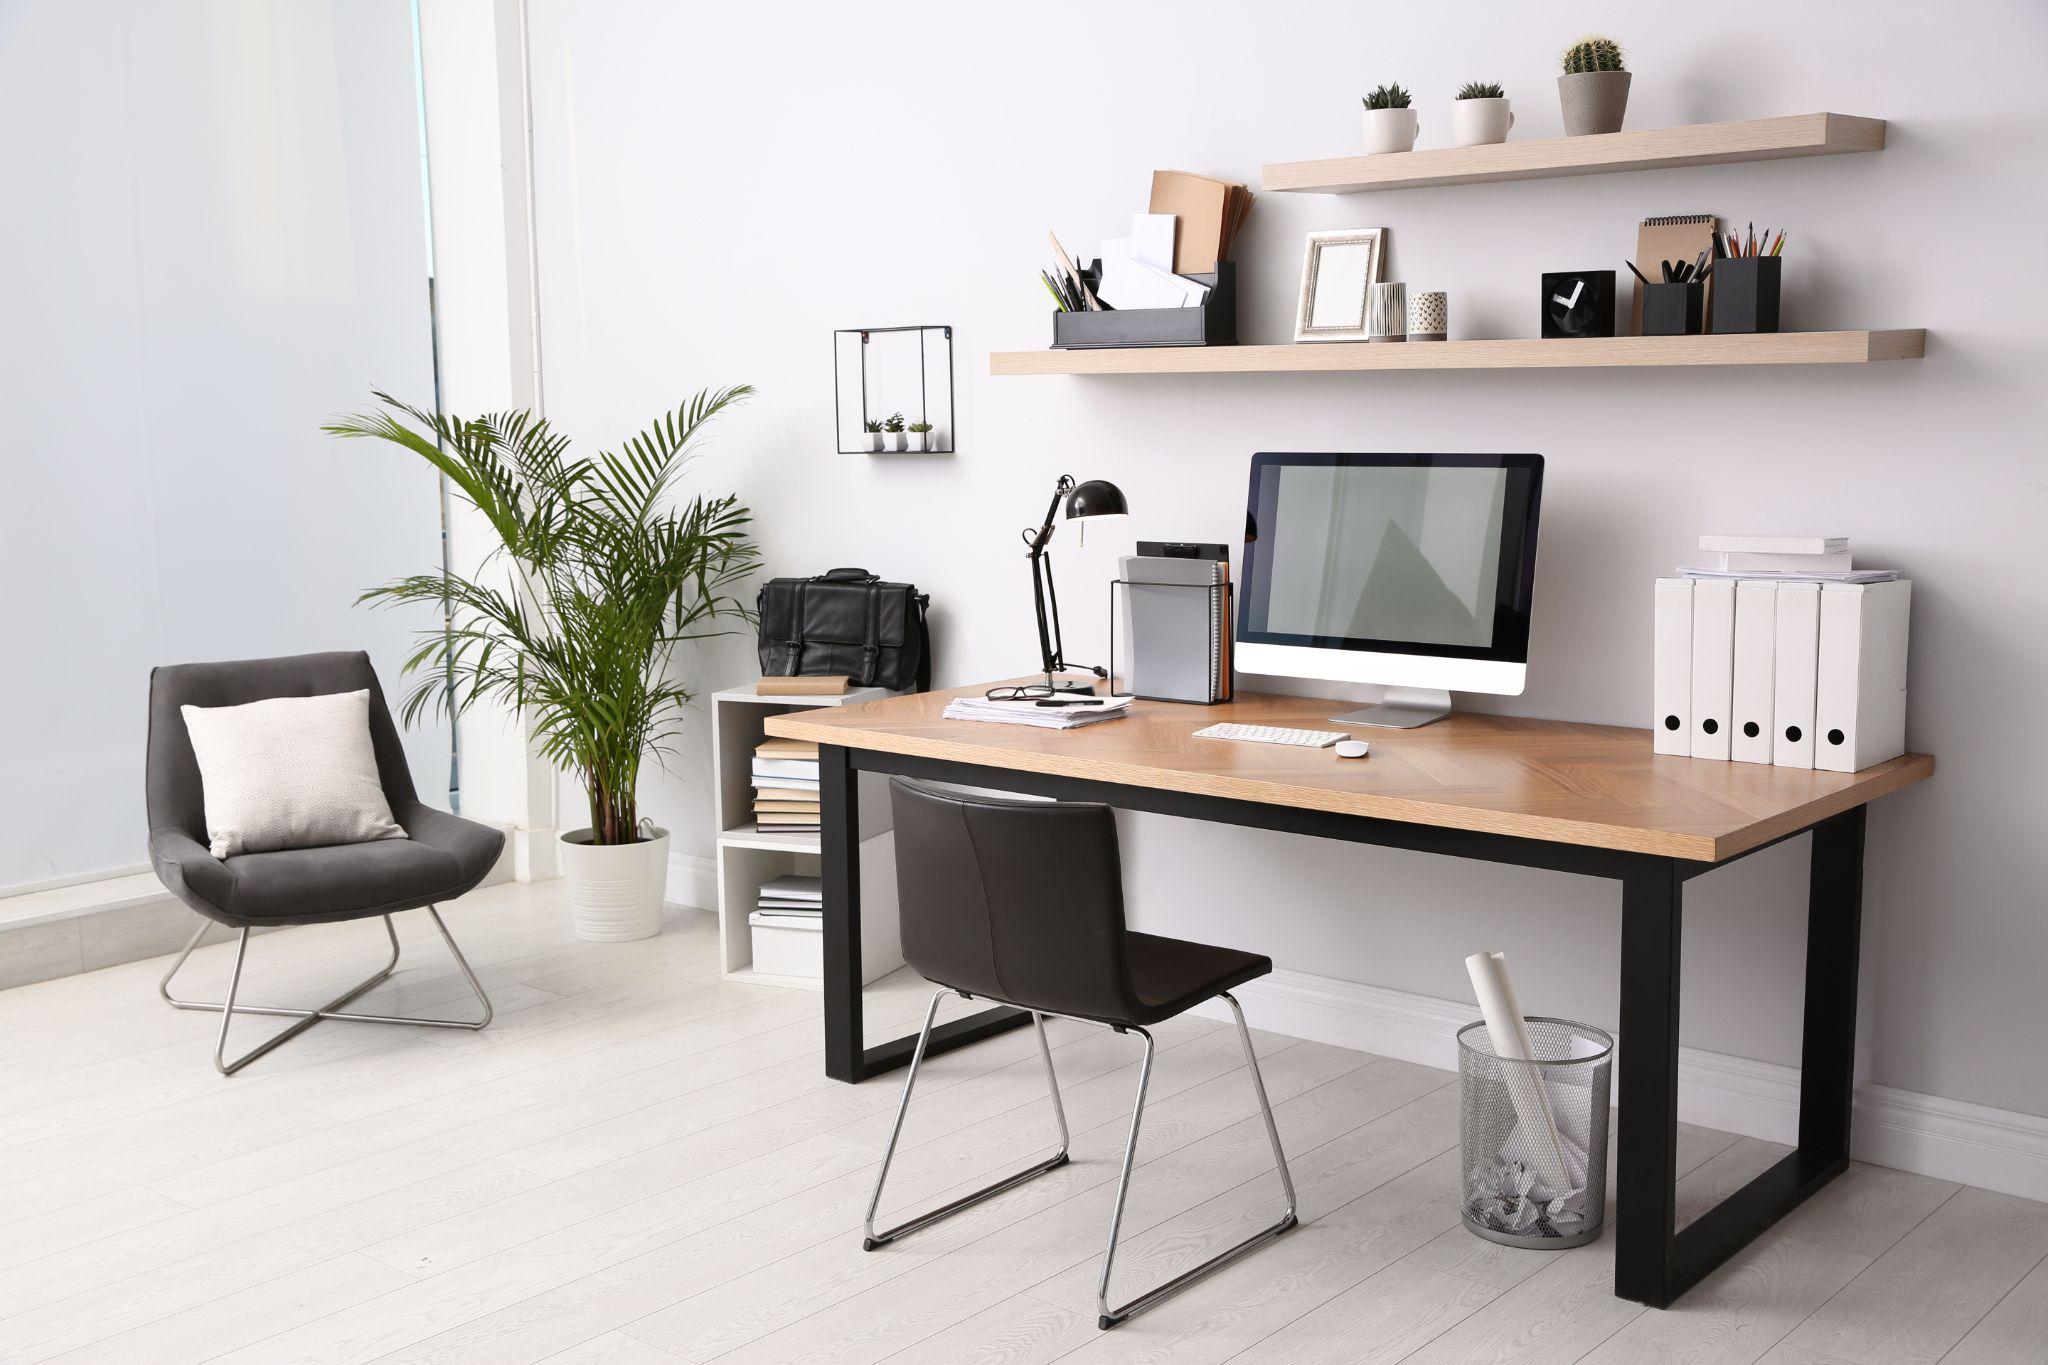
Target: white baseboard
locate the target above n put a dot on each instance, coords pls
(692, 881)
(1925, 1134)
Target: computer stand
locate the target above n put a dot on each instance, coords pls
(1403, 708)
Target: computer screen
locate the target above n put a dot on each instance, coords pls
(1412, 554)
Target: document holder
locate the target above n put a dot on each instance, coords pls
(1199, 665)
(1213, 322)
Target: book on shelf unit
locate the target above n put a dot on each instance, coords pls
(785, 778)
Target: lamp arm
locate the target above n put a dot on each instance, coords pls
(1048, 652)
(1043, 536)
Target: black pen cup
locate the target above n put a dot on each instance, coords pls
(1675, 310)
(1746, 293)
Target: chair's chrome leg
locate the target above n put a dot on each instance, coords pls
(1251, 1061)
(229, 1008)
(870, 1238)
(1108, 1317)
(1105, 1318)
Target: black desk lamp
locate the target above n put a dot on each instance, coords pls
(1091, 499)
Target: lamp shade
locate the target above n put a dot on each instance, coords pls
(1096, 498)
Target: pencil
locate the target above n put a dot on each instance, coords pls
(1781, 242)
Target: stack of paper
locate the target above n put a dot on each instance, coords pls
(790, 898)
(1031, 713)
(1792, 559)
(786, 785)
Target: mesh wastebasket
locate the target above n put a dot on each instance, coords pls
(1533, 1134)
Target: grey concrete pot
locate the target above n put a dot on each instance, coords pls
(1594, 101)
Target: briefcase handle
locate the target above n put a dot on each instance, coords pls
(845, 576)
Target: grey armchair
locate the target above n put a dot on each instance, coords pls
(442, 857)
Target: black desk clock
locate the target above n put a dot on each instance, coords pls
(1578, 303)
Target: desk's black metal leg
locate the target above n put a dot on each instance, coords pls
(839, 842)
(1654, 1263)
(1834, 935)
(1647, 1156)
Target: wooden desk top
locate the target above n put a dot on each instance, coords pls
(1598, 786)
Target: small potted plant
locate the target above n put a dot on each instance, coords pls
(892, 431)
(1389, 122)
(921, 436)
(873, 431)
(1480, 115)
(1594, 87)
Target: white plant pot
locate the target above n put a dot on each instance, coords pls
(893, 440)
(1390, 130)
(1475, 123)
(920, 440)
(874, 439)
(615, 890)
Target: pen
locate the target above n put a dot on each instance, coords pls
(1075, 701)
(1637, 273)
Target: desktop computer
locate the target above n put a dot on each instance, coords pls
(1416, 572)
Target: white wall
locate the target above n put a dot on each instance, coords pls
(720, 187)
(213, 241)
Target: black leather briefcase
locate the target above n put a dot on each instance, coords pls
(846, 622)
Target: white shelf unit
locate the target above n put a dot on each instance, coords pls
(748, 856)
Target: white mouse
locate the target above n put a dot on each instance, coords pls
(1352, 748)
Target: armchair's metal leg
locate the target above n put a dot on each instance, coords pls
(871, 1238)
(1107, 1317)
(229, 1008)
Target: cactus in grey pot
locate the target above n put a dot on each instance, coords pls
(1594, 86)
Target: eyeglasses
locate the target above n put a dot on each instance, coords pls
(1022, 692)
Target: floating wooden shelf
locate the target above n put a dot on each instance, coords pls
(1700, 144)
(1776, 348)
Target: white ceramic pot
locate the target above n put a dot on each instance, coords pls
(919, 440)
(1390, 130)
(893, 440)
(1477, 122)
(615, 890)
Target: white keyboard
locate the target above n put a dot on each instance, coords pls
(1273, 734)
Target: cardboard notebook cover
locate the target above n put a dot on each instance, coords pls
(1677, 237)
(1209, 213)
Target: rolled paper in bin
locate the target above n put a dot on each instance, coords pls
(1546, 1154)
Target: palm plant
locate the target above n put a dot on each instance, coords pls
(606, 576)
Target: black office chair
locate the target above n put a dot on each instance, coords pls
(442, 856)
(1022, 903)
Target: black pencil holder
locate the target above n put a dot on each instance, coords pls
(1675, 310)
(1213, 322)
(1746, 293)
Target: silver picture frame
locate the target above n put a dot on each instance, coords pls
(1338, 270)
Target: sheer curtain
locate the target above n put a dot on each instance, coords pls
(215, 239)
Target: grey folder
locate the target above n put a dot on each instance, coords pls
(1178, 628)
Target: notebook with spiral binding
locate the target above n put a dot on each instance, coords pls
(1674, 237)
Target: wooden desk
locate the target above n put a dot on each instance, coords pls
(1589, 799)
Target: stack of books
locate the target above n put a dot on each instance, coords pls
(789, 900)
(786, 786)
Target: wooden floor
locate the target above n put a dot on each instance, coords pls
(640, 1163)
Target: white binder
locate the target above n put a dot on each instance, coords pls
(1859, 709)
(1671, 668)
(1713, 665)
(1794, 661)
(1755, 685)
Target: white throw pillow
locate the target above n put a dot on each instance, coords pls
(289, 772)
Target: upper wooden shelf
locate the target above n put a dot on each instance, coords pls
(1699, 144)
(1526, 353)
